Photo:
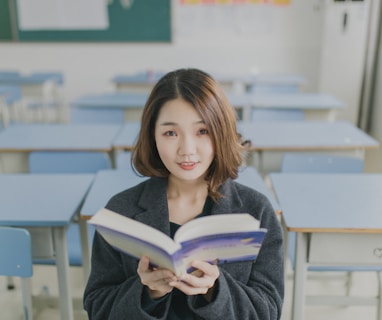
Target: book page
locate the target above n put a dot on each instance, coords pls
(138, 230)
(216, 224)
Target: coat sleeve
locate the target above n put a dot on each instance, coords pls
(110, 293)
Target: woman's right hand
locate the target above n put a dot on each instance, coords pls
(155, 279)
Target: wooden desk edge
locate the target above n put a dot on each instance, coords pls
(313, 148)
(334, 230)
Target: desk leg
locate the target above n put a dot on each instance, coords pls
(85, 246)
(62, 260)
(300, 276)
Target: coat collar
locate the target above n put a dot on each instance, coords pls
(153, 202)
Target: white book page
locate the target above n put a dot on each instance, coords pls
(216, 224)
(122, 224)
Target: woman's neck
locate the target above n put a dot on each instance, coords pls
(185, 200)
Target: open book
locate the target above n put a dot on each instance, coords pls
(217, 239)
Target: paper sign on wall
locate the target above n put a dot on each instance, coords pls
(62, 14)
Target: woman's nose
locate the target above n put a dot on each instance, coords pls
(187, 146)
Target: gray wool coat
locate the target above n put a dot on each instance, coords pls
(244, 290)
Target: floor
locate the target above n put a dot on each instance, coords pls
(45, 284)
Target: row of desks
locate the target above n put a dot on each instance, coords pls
(145, 80)
(265, 137)
(337, 217)
(316, 106)
(51, 202)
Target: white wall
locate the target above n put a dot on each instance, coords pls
(282, 39)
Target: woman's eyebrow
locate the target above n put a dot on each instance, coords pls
(168, 123)
(171, 123)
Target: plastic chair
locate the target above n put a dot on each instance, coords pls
(16, 261)
(123, 160)
(325, 163)
(93, 115)
(69, 162)
(277, 115)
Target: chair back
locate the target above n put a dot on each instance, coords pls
(15, 252)
(68, 162)
(16, 261)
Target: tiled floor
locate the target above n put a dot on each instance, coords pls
(45, 282)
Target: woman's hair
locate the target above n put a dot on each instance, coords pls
(201, 91)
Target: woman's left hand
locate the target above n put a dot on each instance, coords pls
(201, 281)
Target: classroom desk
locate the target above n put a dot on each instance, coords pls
(305, 136)
(278, 137)
(41, 91)
(18, 140)
(260, 82)
(10, 108)
(337, 219)
(131, 102)
(46, 205)
(109, 182)
(32, 85)
(142, 81)
(316, 106)
(126, 137)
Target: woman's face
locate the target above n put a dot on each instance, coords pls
(183, 141)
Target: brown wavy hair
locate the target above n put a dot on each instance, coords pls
(201, 91)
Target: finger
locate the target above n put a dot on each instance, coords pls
(205, 268)
(143, 265)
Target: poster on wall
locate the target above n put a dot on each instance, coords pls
(244, 16)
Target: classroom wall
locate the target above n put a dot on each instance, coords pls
(376, 118)
(262, 38)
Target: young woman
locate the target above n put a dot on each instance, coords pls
(189, 146)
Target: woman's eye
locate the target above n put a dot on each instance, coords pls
(170, 133)
(203, 131)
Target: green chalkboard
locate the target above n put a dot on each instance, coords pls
(5, 21)
(144, 21)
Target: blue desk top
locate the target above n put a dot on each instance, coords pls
(28, 137)
(106, 184)
(305, 101)
(305, 135)
(111, 100)
(143, 77)
(331, 202)
(109, 182)
(37, 79)
(41, 199)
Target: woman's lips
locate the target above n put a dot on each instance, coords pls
(187, 165)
